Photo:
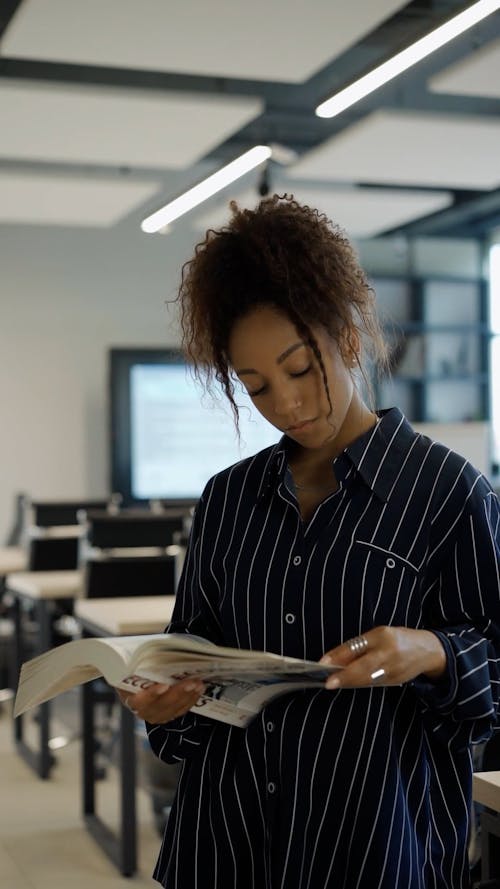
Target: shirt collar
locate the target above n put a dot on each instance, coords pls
(377, 456)
(274, 470)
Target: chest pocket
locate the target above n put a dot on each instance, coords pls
(388, 585)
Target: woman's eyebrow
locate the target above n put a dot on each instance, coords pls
(288, 352)
(279, 360)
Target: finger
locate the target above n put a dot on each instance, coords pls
(348, 651)
(164, 703)
(366, 671)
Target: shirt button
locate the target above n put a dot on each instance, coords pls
(390, 563)
(270, 726)
(290, 618)
(297, 560)
(271, 787)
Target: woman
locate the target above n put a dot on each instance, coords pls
(353, 540)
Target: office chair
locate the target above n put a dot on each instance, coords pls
(131, 553)
(51, 531)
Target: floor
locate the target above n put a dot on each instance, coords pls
(43, 843)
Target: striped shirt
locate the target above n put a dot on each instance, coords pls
(355, 788)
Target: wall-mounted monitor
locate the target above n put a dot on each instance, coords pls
(167, 436)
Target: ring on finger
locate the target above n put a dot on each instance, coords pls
(358, 644)
(377, 675)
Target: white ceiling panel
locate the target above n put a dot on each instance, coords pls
(283, 40)
(58, 200)
(409, 148)
(363, 212)
(476, 75)
(109, 126)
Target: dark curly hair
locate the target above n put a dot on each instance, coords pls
(285, 255)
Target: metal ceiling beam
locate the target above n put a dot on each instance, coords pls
(289, 108)
(131, 78)
(469, 216)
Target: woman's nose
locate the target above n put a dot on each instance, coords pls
(286, 401)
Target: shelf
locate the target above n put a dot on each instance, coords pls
(437, 330)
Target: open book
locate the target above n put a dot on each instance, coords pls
(238, 682)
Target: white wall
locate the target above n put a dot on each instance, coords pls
(66, 296)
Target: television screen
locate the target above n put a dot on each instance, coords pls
(167, 436)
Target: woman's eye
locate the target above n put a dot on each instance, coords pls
(257, 392)
(301, 373)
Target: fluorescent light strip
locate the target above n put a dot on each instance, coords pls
(405, 59)
(206, 188)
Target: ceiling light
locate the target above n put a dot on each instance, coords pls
(206, 188)
(408, 57)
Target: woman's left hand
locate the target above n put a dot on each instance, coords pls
(391, 656)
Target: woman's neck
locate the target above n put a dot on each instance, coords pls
(313, 465)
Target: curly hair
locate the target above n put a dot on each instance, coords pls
(285, 255)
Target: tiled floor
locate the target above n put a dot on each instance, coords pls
(43, 843)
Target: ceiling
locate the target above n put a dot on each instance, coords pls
(110, 108)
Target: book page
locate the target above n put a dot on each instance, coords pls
(134, 662)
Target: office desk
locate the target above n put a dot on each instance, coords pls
(127, 616)
(486, 791)
(12, 559)
(40, 590)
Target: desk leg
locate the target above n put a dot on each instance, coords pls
(88, 741)
(39, 760)
(490, 845)
(16, 661)
(44, 620)
(121, 849)
(127, 781)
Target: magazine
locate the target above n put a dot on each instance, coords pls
(238, 682)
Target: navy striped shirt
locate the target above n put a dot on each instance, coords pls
(349, 789)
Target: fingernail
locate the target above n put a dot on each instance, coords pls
(326, 659)
(332, 682)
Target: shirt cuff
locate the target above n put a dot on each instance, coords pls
(439, 693)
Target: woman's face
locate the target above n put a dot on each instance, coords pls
(284, 380)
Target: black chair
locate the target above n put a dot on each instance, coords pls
(51, 531)
(131, 553)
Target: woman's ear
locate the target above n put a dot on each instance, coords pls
(350, 347)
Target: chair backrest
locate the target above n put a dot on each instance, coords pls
(57, 513)
(131, 528)
(51, 532)
(131, 553)
(133, 576)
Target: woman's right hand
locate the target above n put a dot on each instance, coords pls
(162, 703)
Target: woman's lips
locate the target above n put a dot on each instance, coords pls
(297, 427)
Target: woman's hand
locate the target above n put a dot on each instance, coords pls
(391, 656)
(162, 703)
